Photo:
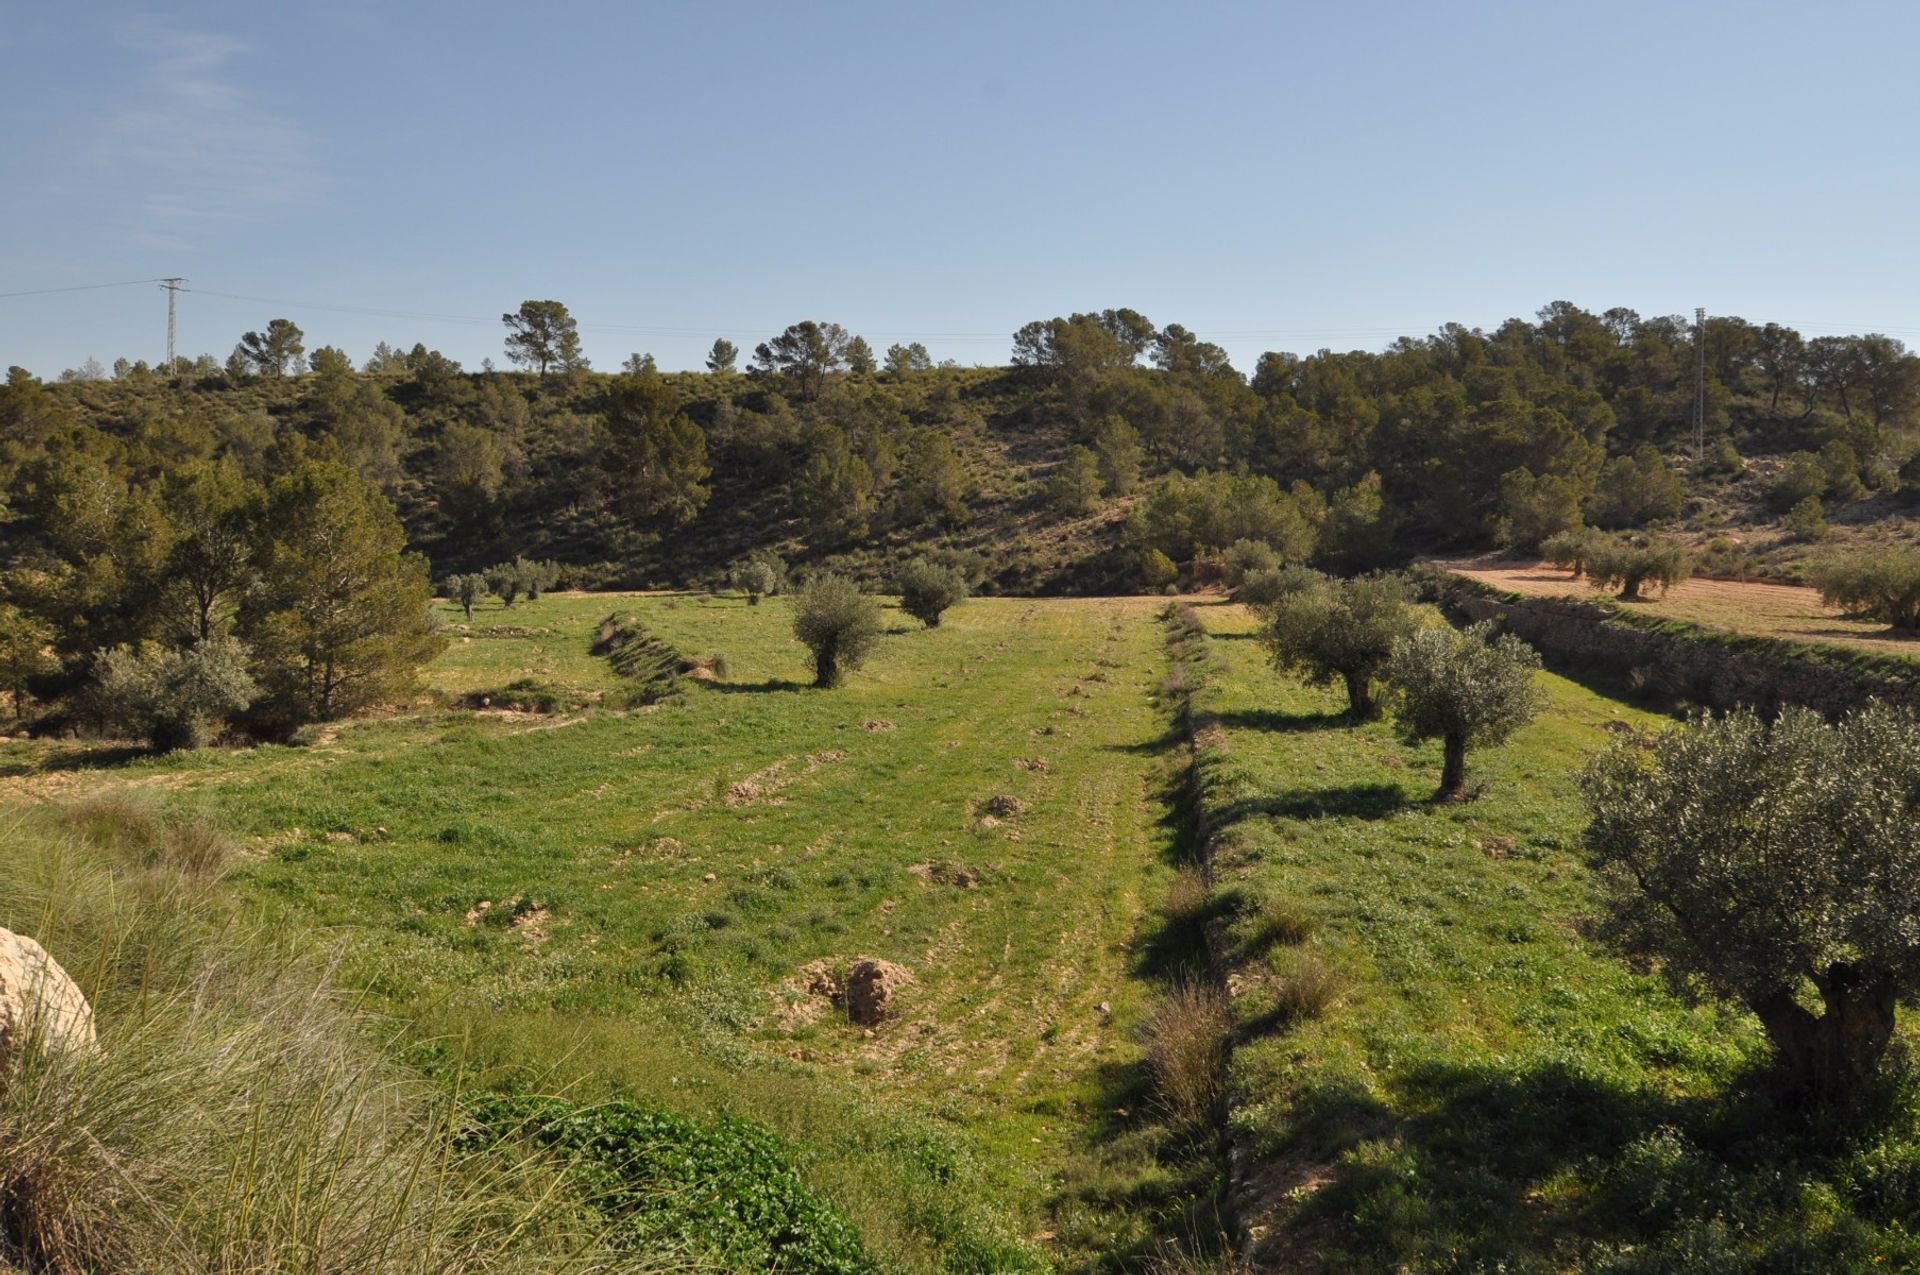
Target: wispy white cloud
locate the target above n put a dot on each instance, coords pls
(193, 152)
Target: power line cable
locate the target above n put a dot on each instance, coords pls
(81, 287)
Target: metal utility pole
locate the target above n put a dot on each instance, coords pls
(1699, 383)
(172, 287)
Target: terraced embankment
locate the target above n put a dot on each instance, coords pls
(1434, 1067)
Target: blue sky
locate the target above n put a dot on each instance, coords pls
(1274, 176)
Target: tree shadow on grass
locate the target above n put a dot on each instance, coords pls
(104, 757)
(1285, 723)
(1466, 1160)
(757, 688)
(1353, 801)
(1164, 742)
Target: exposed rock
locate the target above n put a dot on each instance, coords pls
(39, 1001)
(873, 987)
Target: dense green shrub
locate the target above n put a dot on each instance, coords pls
(724, 1188)
(836, 622)
(928, 589)
(1773, 865)
(1157, 570)
(1802, 477)
(172, 698)
(1468, 689)
(1244, 558)
(1074, 486)
(1338, 630)
(1806, 520)
(1874, 584)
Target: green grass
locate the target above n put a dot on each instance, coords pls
(627, 904)
(1437, 1070)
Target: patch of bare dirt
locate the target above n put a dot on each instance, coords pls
(765, 784)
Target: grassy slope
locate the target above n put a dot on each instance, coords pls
(1489, 1090)
(675, 867)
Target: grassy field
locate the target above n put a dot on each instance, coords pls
(634, 903)
(1437, 1070)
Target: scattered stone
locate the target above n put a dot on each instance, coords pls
(38, 1001)
(1038, 765)
(1104, 1008)
(873, 989)
(710, 877)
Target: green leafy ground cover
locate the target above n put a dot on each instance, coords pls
(633, 904)
(1437, 1070)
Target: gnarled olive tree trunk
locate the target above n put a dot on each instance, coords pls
(1830, 1053)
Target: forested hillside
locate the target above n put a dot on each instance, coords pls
(1067, 469)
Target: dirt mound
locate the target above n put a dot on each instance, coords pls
(873, 989)
(1001, 806)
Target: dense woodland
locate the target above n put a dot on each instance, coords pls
(1111, 454)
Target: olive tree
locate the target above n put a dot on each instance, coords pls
(836, 622)
(753, 578)
(927, 589)
(1570, 548)
(505, 580)
(172, 698)
(1468, 689)
(1877, 584)
(1337, 630)
(1629, 563)
(466, 589)
(1775, 866)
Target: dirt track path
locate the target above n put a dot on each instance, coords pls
(1768, 610)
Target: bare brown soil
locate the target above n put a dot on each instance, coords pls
(1767, 610)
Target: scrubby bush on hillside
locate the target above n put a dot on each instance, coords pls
(1630, 562)
(1873, 584)
(1807, 520)
(1074, 487)
(1338, 630)
(1468, 689)
(1803, 477)
(172, 698)
(928, 589)
(1157, 570)
(1775, 866)
(836, 622)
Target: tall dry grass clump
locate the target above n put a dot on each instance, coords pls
(1186, 1039)
(236, 1116)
